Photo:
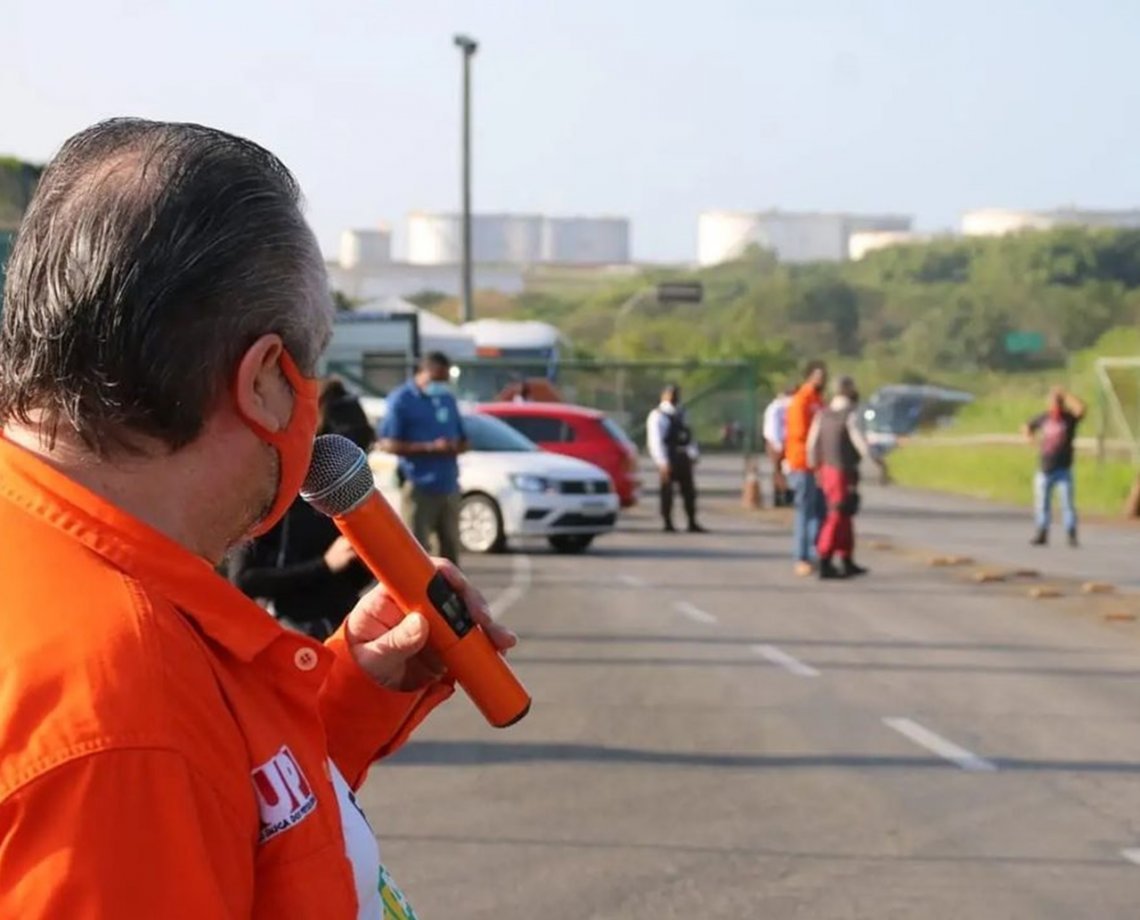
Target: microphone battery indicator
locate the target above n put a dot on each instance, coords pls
(450, 605)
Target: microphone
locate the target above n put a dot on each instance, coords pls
(339, 484)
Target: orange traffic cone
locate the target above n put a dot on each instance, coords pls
(750, 495)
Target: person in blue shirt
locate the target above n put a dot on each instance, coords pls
(424, 429)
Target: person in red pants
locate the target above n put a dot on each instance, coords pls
(837, 446)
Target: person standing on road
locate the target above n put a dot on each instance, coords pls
(167, 749)
(672, 447)
(1055, 430)
(836, 448)
(775, 434)
(802, 409)
(424, 429)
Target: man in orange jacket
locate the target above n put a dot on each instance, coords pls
(167, 749)
(809, 506)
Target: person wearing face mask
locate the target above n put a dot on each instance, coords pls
(806, 497)
(671, 445)
(167, 748)
(305, 571)
(424, 429)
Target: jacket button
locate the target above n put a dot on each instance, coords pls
(305, 659)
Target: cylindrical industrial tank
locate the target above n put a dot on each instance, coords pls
(724, 235)
(434, 239)
(862, 242)
(1000, 221)
(512, 239)
(365, 248)
(1120, 220)
(586, 240)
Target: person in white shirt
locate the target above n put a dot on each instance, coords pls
(775, 433)
(671, 445)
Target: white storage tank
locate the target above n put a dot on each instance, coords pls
(798, 237)
(724, 235)
(434, 239)
(514, 239)
(362, 249)
(794, 236)
(586, 241)
(864, 241)
(503, 239)
(1000, 221)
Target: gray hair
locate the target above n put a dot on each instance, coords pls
(151, 257)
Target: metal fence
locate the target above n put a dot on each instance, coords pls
(724, 399)
(1119, 380)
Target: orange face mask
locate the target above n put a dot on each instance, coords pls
(294, 443)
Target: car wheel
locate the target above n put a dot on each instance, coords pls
(481, 525)
(571, 542)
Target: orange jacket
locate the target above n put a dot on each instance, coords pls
(801, 411)
(166, 748)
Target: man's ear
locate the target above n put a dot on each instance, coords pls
(262, 394)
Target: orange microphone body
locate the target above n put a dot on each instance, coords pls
(340, 485)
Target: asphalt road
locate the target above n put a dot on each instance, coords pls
(712, 737)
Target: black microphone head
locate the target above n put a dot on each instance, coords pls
(339, 478)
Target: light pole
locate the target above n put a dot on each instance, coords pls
(468, 46)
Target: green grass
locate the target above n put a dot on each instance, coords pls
(1005, 474)
(1005, 401)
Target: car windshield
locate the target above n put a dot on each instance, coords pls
(616, 432)
(489, 434)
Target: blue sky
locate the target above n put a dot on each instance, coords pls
(655, 110)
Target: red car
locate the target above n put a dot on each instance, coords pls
(576, 432)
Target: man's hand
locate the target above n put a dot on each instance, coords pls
(391, 647)
(340, 555)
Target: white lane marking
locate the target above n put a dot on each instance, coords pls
(693, 612)
(514, 592)
(632, 581)
(1132, 855)
(784, 660)
(948, 750)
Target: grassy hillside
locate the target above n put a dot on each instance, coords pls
(1005, 474)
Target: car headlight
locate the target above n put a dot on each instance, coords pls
(526, 483)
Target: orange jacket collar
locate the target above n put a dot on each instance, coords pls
(220, 610)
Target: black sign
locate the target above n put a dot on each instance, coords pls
(680, 292)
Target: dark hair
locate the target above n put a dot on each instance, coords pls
(436, 359)
(812, 366)
(331, 389)
(341, 413)
(151, 257)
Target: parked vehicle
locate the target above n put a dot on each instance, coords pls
(513, 490)
(899, 410)
(579, 432)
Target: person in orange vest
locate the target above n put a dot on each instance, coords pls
(167, 748)
(809, 507)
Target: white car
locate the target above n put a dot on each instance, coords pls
(513, 490)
